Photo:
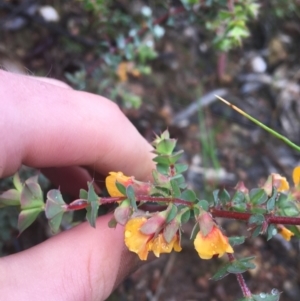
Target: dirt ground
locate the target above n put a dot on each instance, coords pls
(262, 78)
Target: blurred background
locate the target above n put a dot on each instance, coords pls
(163, 62)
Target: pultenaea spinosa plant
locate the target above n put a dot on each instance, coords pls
(266, 209)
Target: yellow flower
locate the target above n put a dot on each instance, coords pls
(280, 182)
(296, 176)
(111, 180)
(126, 68)
(141, 244)
(214, 243)
(159, 245)
(285, 232)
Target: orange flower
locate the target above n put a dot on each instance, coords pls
(280, 182)
(141, 244)
(214, 243)
(159, 245)
(285, 232)
(296, 176)
(111, 180)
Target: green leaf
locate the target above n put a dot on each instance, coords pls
(180, 181)
(272, 200)
(83, 194)
(27, 217)
(195, 231)
(203, 204)
(180, 168)
(238, 198)
(257, 231)
(92, 209)
(55, 222)
(236, 240)
(175, 188)
(54, 203)
(162, 168)
(241, 207)
(17, 182)
(272, 230)
(282, 200)
(266, 297)
(216, 196)
(258, 210)
(238, 33)
(131, 196)
(224, 196)
(121, 188)
(172, 211)
(162, 159)
(221, 273)
(185, 217)
(258, 196)
(175, 157)
(256, 219)
(166, 146)
(10, 197)
(241, 265)
(188, 195)
(31, 195)
(295, 230)
(290, 209)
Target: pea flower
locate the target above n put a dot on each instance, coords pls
(296, 176)
(280, 182)
(285, 232)
(111, 180)
(214, 243)
(142, 244)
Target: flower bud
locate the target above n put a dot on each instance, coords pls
(154, 223)
(123, 212)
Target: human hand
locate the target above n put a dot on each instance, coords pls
(45, 124)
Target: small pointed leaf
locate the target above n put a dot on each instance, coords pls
(121, 188)
(83, 194)
(92, 209)
(258, 196)
(54, 203)
(17, 182)
(175, 189)
(55, 222)
(131, 196)
(27, 217)
(221, 273)
(31, 195)
(188, 195)
(236, 240)
(10, 197)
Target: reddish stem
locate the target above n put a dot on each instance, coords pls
(246, 291)
(269, 219)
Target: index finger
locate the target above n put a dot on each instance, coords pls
(50, 126)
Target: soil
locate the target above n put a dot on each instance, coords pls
(262, 78)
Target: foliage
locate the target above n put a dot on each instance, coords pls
(126, 54)
(266, 209)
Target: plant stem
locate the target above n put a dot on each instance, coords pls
(274, 133)
(246, 291)
(269, 218)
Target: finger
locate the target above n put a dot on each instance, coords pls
(53, 126)
(80, 264)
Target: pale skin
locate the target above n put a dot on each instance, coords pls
(47, 125)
